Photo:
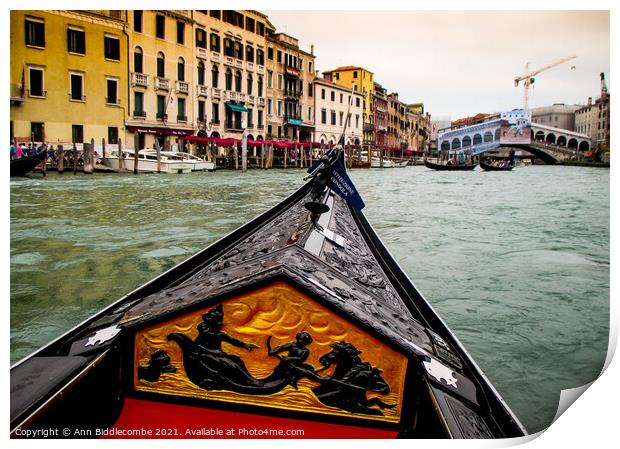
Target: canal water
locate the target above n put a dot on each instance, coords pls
(517, 263)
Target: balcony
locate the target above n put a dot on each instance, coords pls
(215, 57)
(241, 96)
(161, 116)
(239, 63)
(232, 126)
(292, 93)
(251, 99)
(201, 52)
(139, 114)
(261, 101)
(202, 91)
(17, 93)
(216, 93)
(113, 101)
(290, 70)
(37, 93)
(229, 60)
(182, 87)
(139, 79)
(231, 96)
(182, 118)
(260, 126)
(368, 127)
(162, 83)
(260, 69)
(250, 66)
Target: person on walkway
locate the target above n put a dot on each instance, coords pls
(19, 151)
(12, 152)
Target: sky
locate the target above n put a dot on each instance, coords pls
(460, 63)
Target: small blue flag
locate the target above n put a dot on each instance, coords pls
(343, 186)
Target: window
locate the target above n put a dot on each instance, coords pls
(238, 50)
(160, 26)
(279, 107)
(250, 118)
(201, 74)
(269, 106)
(279, 57)
(337, 76)
(357, 120)
(237, 81)
(35, 79)
(341, 97)
(215, 43)
(333, 96)
(181, 33)
(309, 88)
(112, 48)
(137, 21)
(341, 115)
(260, 119)
(35, 32)
(201, 38)
(77, 133)
(269, 79)
(77, 86)
(249, 84)
(215, 113)
(260, 29)
(309, 113)
(228, 47)
(250, 24)
(37, 131)
(249, 53)
(137, 60)
(357, 102)
(138, 104)
(323, 116)
(161, 106)
(201, 111)
(354, 74)
(260, 57)
(214, 76)
(112, 135)
(310, 66)
(112, 91)
(216, 14)
(181, 69)
(333, 114)
(260, 86)
(322, 94)
(161, 65)
(181, 110)
(228, 79)
(76, 41)
(280, 81)
(270, 53)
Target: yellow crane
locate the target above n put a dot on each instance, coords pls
(528, 78)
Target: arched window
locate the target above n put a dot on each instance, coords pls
(456, 144)
(161, 71)
(445, 146)
(238, 50)
(138, 60)
(250, 82)
(215, 74)
(249, 53)
(540, 135)
(550, 138)
(228, 47)
(572, 143)
(260, 86)
(215, 43)
(562, 141)
(497, 134)
(181, 69)
(477, 139)
(201, 74)
(237, 81)
(466, 141)
(228, 79)
(488, 137)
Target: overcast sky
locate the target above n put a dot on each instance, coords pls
(460, 63)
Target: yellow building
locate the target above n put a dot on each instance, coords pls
(68, 76)
(363, 80)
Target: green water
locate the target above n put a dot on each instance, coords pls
(516, 263)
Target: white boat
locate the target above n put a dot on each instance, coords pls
(147, 162)
(199, 164)
(375, 162)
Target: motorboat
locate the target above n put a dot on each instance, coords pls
(388, 163)
(147, 162)
(199, 163)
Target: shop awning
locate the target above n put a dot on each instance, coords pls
(295, 121)
(153, 130)
(237, 107)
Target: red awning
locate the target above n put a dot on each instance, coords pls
(167, 131)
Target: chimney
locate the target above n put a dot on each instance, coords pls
(603, 85)
(312, 49)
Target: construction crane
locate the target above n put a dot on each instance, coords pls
(528, 79)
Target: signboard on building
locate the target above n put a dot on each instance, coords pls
(516, 127)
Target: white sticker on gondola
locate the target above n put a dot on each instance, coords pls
(332, 236)
(440, 372)
(103, 335)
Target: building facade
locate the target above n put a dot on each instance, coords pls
(559, 115)
(361, 80)
(290, 85)
(68, 76)
(380, 111)
(331, 102)
(593, 119)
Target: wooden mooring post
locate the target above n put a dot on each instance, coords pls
(60, 158)
(88, 157)
(75, 158)
(136, 144)
(158, 149)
